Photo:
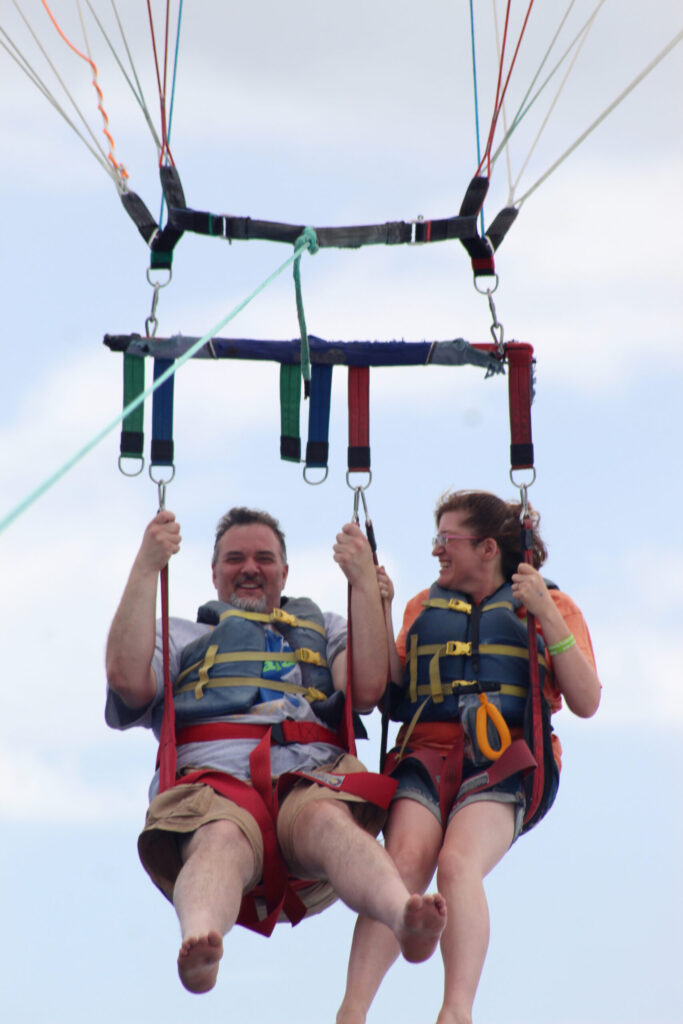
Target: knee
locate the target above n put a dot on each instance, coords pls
(453, 867)
(415, 864)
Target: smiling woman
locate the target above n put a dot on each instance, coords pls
(463, 687)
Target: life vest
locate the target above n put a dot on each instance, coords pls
(469, 664)
(456, 649)
(221, 671)
(221, 674)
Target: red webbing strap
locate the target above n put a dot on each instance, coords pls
(536, 696)
(520, 358)
(291, 732)
(359, 419)
(167, 743)
(347, 724)
(260, 805)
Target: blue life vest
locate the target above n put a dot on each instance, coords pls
(456, 649)
(221, 673)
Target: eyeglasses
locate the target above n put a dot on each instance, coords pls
(442, 539)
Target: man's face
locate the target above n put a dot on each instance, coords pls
(249, 571)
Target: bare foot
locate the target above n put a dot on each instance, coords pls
(198, 961)
(424, 918)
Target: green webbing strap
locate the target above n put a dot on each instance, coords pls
(307, 239)
(132, 437)
(290, 404)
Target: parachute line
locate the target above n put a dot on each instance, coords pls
(476, 100)
(525, 106)
(500, 92)
(120, 169)
(137, 92)
(552, 106)
(96, 149)
(606, 112)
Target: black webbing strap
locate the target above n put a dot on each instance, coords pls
(161, 242)
(463, 226)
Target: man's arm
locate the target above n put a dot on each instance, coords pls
(370, 659)
(132, 635)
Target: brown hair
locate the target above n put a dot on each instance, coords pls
(245, 517)
(490, 516)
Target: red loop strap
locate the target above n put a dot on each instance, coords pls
(520, 357)
(359, 419)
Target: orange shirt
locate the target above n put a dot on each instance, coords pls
(571, 614)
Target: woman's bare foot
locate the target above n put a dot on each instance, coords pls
(198, 961)
(424, 918)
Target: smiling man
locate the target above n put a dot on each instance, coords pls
(266, 800)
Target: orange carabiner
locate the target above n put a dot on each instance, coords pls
(487, 711)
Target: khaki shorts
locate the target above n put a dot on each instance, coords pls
(173, 815)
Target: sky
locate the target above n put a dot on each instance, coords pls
(329, 115)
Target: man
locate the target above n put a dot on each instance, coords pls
(203, 842)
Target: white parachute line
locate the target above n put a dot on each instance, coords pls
(521, 111)
(606, 112)
(102, 157)
(137, 93)
(547, 117)
(506, 134)
(21, 61)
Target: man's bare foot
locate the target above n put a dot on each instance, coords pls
(198, 961)
(424, 918)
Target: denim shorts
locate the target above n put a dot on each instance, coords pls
(414, 783)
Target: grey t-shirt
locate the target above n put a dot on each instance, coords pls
(232, 756)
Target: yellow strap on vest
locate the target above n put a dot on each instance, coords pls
(412, 661)
(454, 604)
(450, 686)
(209, 661)
(278, 616)
(453, 648)
(310, 693)
(411, 725)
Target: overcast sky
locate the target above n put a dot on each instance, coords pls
(339, 114)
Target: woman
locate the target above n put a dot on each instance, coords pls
(447, 812)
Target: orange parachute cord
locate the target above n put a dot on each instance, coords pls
(500, 94)
(120, 169)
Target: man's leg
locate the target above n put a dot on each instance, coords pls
(329, 844)
(476, 839)
(218, 864)
(413, 840)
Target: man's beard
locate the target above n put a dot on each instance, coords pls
(248, 604)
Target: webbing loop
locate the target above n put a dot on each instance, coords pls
(306, 240)
(359, 419)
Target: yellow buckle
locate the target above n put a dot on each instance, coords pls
(457, 647)
(280, 615)
(310, 657)
(456, 605)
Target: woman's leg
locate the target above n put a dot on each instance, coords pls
(413, 838)
(476, 839)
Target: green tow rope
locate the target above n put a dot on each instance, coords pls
(63, 470)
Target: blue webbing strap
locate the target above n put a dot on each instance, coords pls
(317, 447)
(162, 417)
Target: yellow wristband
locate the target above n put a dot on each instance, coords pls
(562, 645)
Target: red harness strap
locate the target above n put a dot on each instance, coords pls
(261, 799)
(446, 773)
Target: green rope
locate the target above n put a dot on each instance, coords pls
(307, 239)
(64, 469)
